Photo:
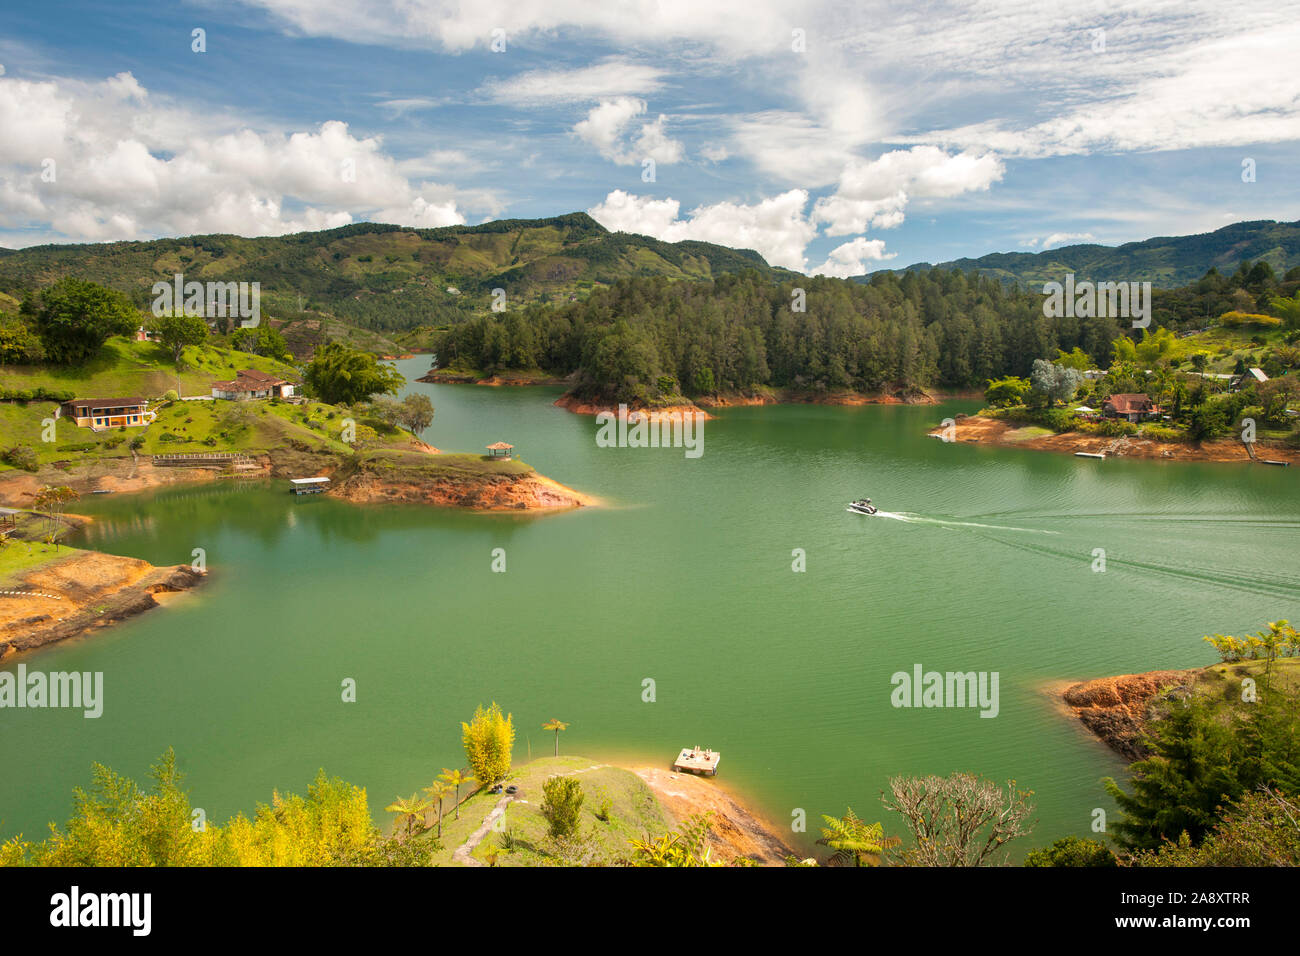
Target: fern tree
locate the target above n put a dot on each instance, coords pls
(854, 840)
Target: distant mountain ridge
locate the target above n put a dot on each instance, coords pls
(1165, 261)
(388, 277)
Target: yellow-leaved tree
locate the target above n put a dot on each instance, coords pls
(488, 740)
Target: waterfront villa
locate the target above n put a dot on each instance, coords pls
(1131, 406)
(98, 414)
(251, 384)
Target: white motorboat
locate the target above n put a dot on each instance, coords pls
(862, 506)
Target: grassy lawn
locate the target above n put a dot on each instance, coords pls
(23, 423)
(125, 368)
(17, 557)
(1233, 343)
(634, 811)
(451, 466)
(1027, 432)
(1224, 680)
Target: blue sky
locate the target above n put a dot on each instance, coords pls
(831, 136)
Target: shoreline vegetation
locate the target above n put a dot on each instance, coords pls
(584, 402)
(1119, 710)
(981, 430)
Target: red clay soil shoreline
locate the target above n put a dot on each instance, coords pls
(1116, 709)
(82, 592)
(735, 830)
(532, 492)
(974, 429)
(526, 493)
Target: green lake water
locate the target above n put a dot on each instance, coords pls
(684, 577)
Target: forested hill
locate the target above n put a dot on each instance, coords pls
(645, 340)
(385, 277)
(1166, 261)
(651, 341)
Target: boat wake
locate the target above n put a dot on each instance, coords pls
(910, 518)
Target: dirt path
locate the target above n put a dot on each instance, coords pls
(464, 853)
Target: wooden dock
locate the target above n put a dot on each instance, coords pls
(697, 760)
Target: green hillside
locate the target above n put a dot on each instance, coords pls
(1165, 261)
(126, 368)
(383, 278)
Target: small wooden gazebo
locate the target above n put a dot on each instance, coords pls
(500, 449)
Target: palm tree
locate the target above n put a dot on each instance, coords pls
(557, 726)
(852, 839)
(410, 808)
(436, 791)
(454, 779)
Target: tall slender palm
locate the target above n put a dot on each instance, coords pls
(410, 809)
(853, 839)
(436, 791)
(557, 726)
(455, 779)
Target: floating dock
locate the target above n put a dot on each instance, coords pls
(696, 760)
(309, 486)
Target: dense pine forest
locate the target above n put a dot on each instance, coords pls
(648, 338)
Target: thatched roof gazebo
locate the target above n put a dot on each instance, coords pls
(500, 450)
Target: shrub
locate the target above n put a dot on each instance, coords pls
(21, 456)
(39, 394)
(488, 740)
(1161, 433)
(604, 806)
(561, 804)
(1110, 427)
(1072, 851)
(1235, 318)
(1057, 419)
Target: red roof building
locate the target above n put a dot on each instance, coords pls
(1131, 406)
(251, 384)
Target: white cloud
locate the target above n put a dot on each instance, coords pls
(610, 78)
(851, 258)
(126, 167)
(1064, 238)
(874, 193)
(736, 27)
(775, 228)
(607, 128)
